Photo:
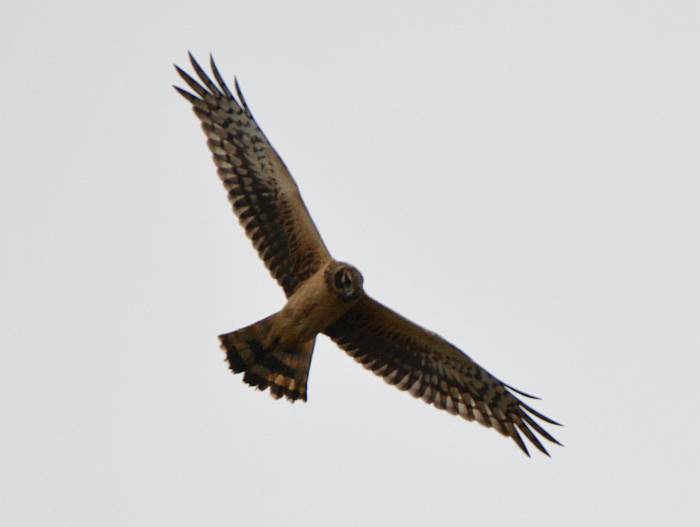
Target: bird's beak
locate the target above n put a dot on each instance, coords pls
(348, 290)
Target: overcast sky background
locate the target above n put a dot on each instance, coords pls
(521, 177)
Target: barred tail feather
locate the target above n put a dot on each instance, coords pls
(254, 352)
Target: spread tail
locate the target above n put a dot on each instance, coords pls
(265, 363)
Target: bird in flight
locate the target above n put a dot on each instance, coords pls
(327, 296)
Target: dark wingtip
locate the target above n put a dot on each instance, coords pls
(515, 436)
(531, 437)
(538, 414)
(219, 78)
(553, 439)
(520, 392)
(198, 88)
(187, 95)
(542, 449)
(193, 61)
(213, 88)
(239, 92)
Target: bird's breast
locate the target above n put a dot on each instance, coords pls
(311, 309)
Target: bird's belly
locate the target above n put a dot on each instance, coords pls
(310, 312)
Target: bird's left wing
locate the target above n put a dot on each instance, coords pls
(429, 367)
(264, 196)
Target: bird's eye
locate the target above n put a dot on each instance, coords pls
(339, 279)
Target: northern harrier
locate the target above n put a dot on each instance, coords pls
(326, 296)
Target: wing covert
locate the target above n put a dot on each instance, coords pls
(429, 367)
(262, 192)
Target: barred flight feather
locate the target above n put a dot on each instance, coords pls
(267, 202)
(261, 191)
(430, 368)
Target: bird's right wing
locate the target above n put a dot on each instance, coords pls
(415, 359)
(261, 190)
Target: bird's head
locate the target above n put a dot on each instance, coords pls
(345, 280)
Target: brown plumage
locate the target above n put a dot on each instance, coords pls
(327, 296)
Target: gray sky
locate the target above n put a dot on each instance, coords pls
(520, 177)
